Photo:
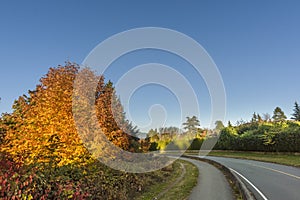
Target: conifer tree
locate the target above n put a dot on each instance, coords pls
(296, 114)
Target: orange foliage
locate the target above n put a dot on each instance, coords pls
(45, 130)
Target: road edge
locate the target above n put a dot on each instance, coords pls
(238, 186)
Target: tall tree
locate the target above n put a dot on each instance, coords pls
(278, 115)
(191, 125)
(45, 129)
(259, 118)
(254, 117)
(153, 135)
(219, 125)
(296, 114)
(121, 131)
(111, 116)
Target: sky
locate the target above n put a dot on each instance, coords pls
(254, 44)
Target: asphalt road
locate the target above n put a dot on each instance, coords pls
(265, 180)
(212, 184)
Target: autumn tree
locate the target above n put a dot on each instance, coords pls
(153, 135)
(45, 130)
(112, 119)
(3, 128)
(169, 132)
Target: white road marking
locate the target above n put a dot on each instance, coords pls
(258, 191)
(275, 170)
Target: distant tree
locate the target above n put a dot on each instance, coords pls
(200, 133)
(229, 124)
(259, 118)
(278, 115)
(191, 125)
(266, 117)
(152, 132)
(219, 125)
(171, 130)
(296, 114)
(240, 122)
(167, 133)
(254, 118)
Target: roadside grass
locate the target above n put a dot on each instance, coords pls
(280, 158)
(180, 190)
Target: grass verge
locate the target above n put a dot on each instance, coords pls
(280, 158)
(181, 190)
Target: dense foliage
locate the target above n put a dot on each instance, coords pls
(266, 134)
(42, 156)
(172, 138)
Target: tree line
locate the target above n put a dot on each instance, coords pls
(267, 134)
(262, 133)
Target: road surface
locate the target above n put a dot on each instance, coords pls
(265, 180)
(212, 184)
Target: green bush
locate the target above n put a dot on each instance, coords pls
(196, 144)
(267, 137)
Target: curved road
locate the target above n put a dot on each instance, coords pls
(265, 180)
(212, 184)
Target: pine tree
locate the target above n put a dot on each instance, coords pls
(296, 114)
(229, 124)
(259, 118)
(254, 118)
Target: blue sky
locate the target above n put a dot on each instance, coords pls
(255, 44)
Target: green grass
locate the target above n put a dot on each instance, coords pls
(180, 190)
(280, 158)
